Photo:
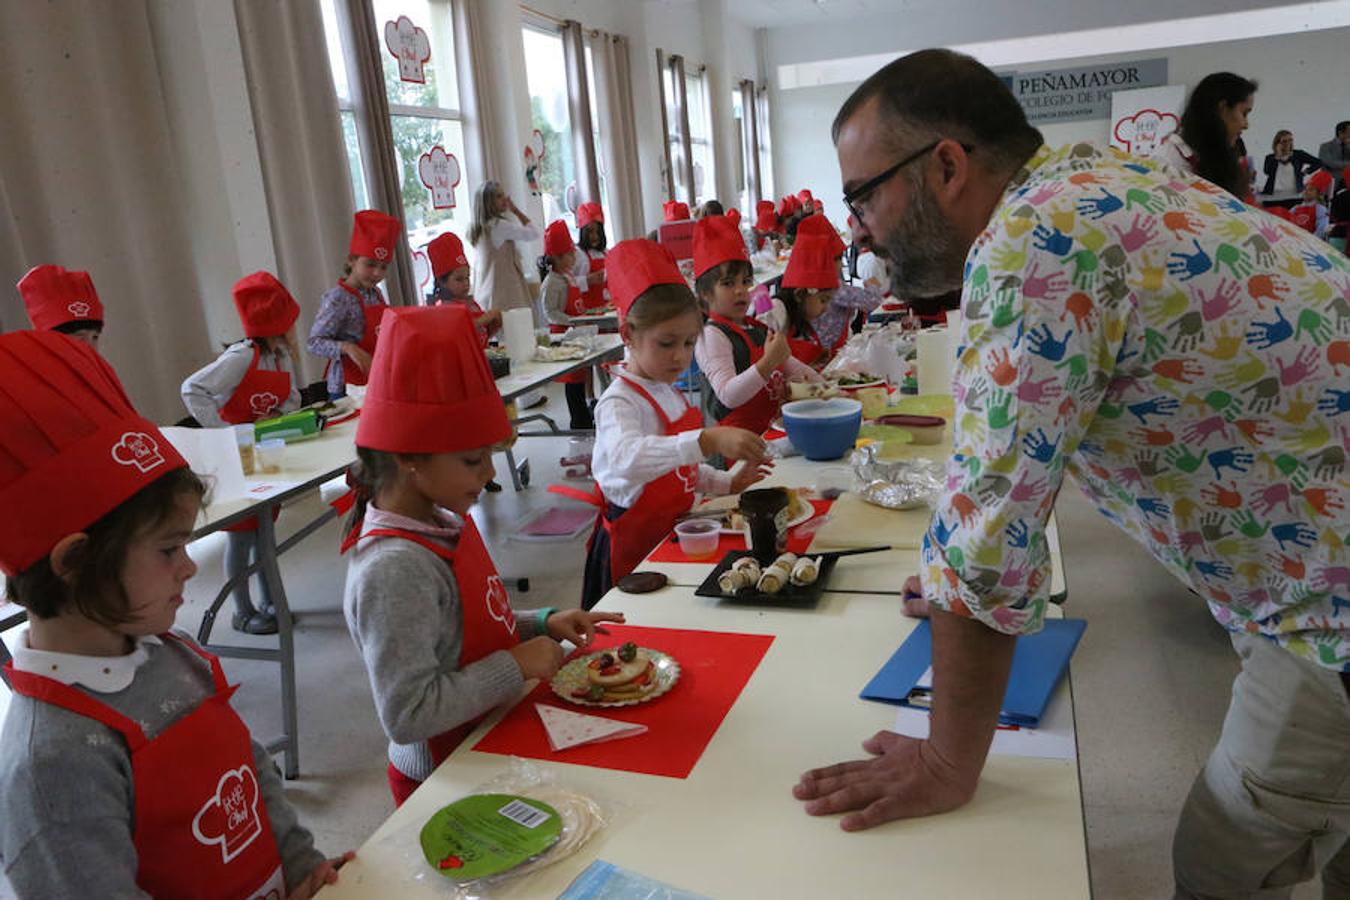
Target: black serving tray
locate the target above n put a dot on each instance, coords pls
(790, 597)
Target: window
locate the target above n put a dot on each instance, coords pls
(546, 73)
(700, 136)
(766, 188)
(741, 177)
(674, 120)
(422, 89)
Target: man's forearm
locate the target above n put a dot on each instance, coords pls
(970, 674)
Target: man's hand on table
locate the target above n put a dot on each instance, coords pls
(906, 778)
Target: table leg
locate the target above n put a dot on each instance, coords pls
(270, 570)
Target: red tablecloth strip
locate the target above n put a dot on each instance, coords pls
(799, 538)
(714, 668)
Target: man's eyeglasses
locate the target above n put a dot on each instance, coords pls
(856, 199)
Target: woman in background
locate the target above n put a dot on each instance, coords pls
(1211, 125)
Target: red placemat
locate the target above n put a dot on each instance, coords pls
(799, 538)
(714, 668)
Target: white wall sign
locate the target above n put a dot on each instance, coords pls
(439, 171)
(410, 46)
(1065, 95)
(1141, 119)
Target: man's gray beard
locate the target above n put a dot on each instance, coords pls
(923, 251)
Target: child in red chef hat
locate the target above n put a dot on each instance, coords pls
(450, 283)
(253, 379)
(745, 366)
(345, 330)
(561, 298)
(61, 300)
(650, 443)
(123, 770)
(424, 603)
(589, 269)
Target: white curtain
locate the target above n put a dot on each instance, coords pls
(300, 146)
(614, 105)
(89, 180)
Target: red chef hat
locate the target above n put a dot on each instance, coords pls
(765, 217)
(588, 213)
(635, 265)
(55, 296)
(816, 223)
(72, 447)
(805, 197)
(374, 235)
(430, 389)
(813, 264)
(264, 305)
(1322, 180)
(675, 211)
(446, 253)
(557, 239)
(734, 216)
(787, 206)
(716, 241)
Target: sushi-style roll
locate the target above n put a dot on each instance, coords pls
(806, 571)
(732, 580)
(786, 560)
(749, 565)
(773, 580)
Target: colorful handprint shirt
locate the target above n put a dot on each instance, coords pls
(1185, 357)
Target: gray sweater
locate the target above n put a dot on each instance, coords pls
(67, 797)
(403, 610)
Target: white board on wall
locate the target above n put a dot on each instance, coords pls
(1140, 119)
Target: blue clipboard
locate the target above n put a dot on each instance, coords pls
(1039, 662)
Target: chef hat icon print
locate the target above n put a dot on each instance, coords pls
(136, 448)
(230, 818)
(264, 403)
(79, 309)
(499, 603)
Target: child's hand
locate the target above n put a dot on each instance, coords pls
(578, 625)
(325, 872)
(776, 352)
(750, 474)
(358, 355)
(539, 657)
(915, 604)
(733, 443)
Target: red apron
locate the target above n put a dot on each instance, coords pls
(756, 413)
(811, 351)
(1304, 216)
(258, 395)
(373, 312)
(488, 623)
(573, 307)
(595, 293)
(644, 525)
(200, 825)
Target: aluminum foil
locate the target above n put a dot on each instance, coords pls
(897, 484)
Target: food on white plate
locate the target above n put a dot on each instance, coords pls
(559, 352)
(805, 571)
(855, 379)
(622, 674)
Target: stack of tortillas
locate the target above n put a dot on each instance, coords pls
(581, 818)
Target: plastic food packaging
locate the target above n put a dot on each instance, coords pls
(699, 537)
(898, 484)
(270, 453)
(246, 440)
(524, 809)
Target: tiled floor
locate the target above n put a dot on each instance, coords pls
(1151, 678)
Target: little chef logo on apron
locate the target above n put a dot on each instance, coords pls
(230, 818)
(136, 448)
(688, 477)
(498, 603)
(264, 403)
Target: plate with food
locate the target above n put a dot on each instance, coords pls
(799, 510)
(559, 352)
(790, 580)
(852, 381)
(618, 676)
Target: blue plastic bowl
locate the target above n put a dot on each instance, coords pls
(823, 429)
